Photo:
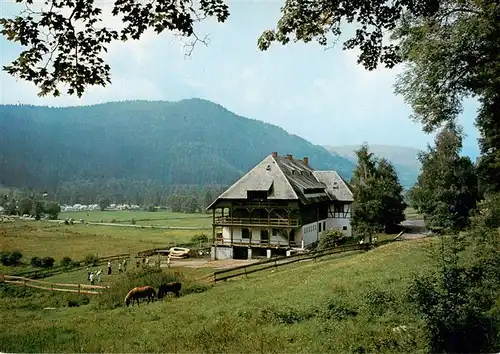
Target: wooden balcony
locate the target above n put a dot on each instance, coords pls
(257, 222)
(257, 243)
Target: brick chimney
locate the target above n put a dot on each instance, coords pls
(289, 156)
(306, 161)
(275, 154)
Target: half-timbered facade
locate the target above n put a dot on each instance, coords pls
(282, 203)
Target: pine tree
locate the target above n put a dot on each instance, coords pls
(391, 196)
(367, 205)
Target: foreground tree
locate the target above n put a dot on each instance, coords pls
(366, 206)
(391, 196)
(378, 195)
(65, 39)
(446, 189)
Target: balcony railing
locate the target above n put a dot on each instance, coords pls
(264, 222)
(257, 242)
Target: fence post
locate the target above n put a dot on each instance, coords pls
(245, 271)
(215, 278)
(78, 288)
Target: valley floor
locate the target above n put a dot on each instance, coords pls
(351, 304)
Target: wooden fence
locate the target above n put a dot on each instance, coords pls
(281, 261)
(47, 272)
(38, 284)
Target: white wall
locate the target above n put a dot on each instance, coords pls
(237, 236)
(339, 223)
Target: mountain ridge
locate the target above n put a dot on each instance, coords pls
(191, 141)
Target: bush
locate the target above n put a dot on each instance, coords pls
(133, 221)
(199, 238)
(66, 262)
(48, 262)
(10, 258)
(36, 261)
(90, 259)
(113, 220)
(330, 238)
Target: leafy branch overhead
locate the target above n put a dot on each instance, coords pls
(322, 20)
(65, 39)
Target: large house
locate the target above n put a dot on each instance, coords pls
(281, 204)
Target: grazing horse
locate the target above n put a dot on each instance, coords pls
(169, 287)
(140, 292)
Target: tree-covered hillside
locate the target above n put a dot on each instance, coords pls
(190, 142)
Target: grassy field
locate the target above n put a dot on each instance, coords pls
(160, 218)
(351, 305)
(40, 238)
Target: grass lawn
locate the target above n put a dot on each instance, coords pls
(40, 238)
(349, 304)
(160, 218)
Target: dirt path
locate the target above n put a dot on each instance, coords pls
(415, 229)
(207, 263)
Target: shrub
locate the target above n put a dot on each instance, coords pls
(113, 220)
(36, 261)
(330, 238)
(199, 238)
(10, 258)
(90, 259)
(4, 258)
(48, 262)
(15, 257)
(133, 221)
(66, 262)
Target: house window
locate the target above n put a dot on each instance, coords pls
(275, 232)
(264, 235)
(338, 208)
(245, 233)
(324, 225)
(344, 228)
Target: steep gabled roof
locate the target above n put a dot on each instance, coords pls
(336, 186)
(286, 178)
(262, 177)
(301, 176)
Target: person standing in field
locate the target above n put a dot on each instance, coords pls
(125, 265)
(119, 268)
(91, 276)
(147, 261)
(109, 267)
(99, 275)
(168, 261)
(88, 273)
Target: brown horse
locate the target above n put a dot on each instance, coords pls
(140, 292)
(169, 287)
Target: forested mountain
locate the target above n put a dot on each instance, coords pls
(138, 146)
(404, 159)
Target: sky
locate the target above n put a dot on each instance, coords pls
(320, 94)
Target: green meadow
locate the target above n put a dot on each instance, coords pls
(351, 304)
(144, 218)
